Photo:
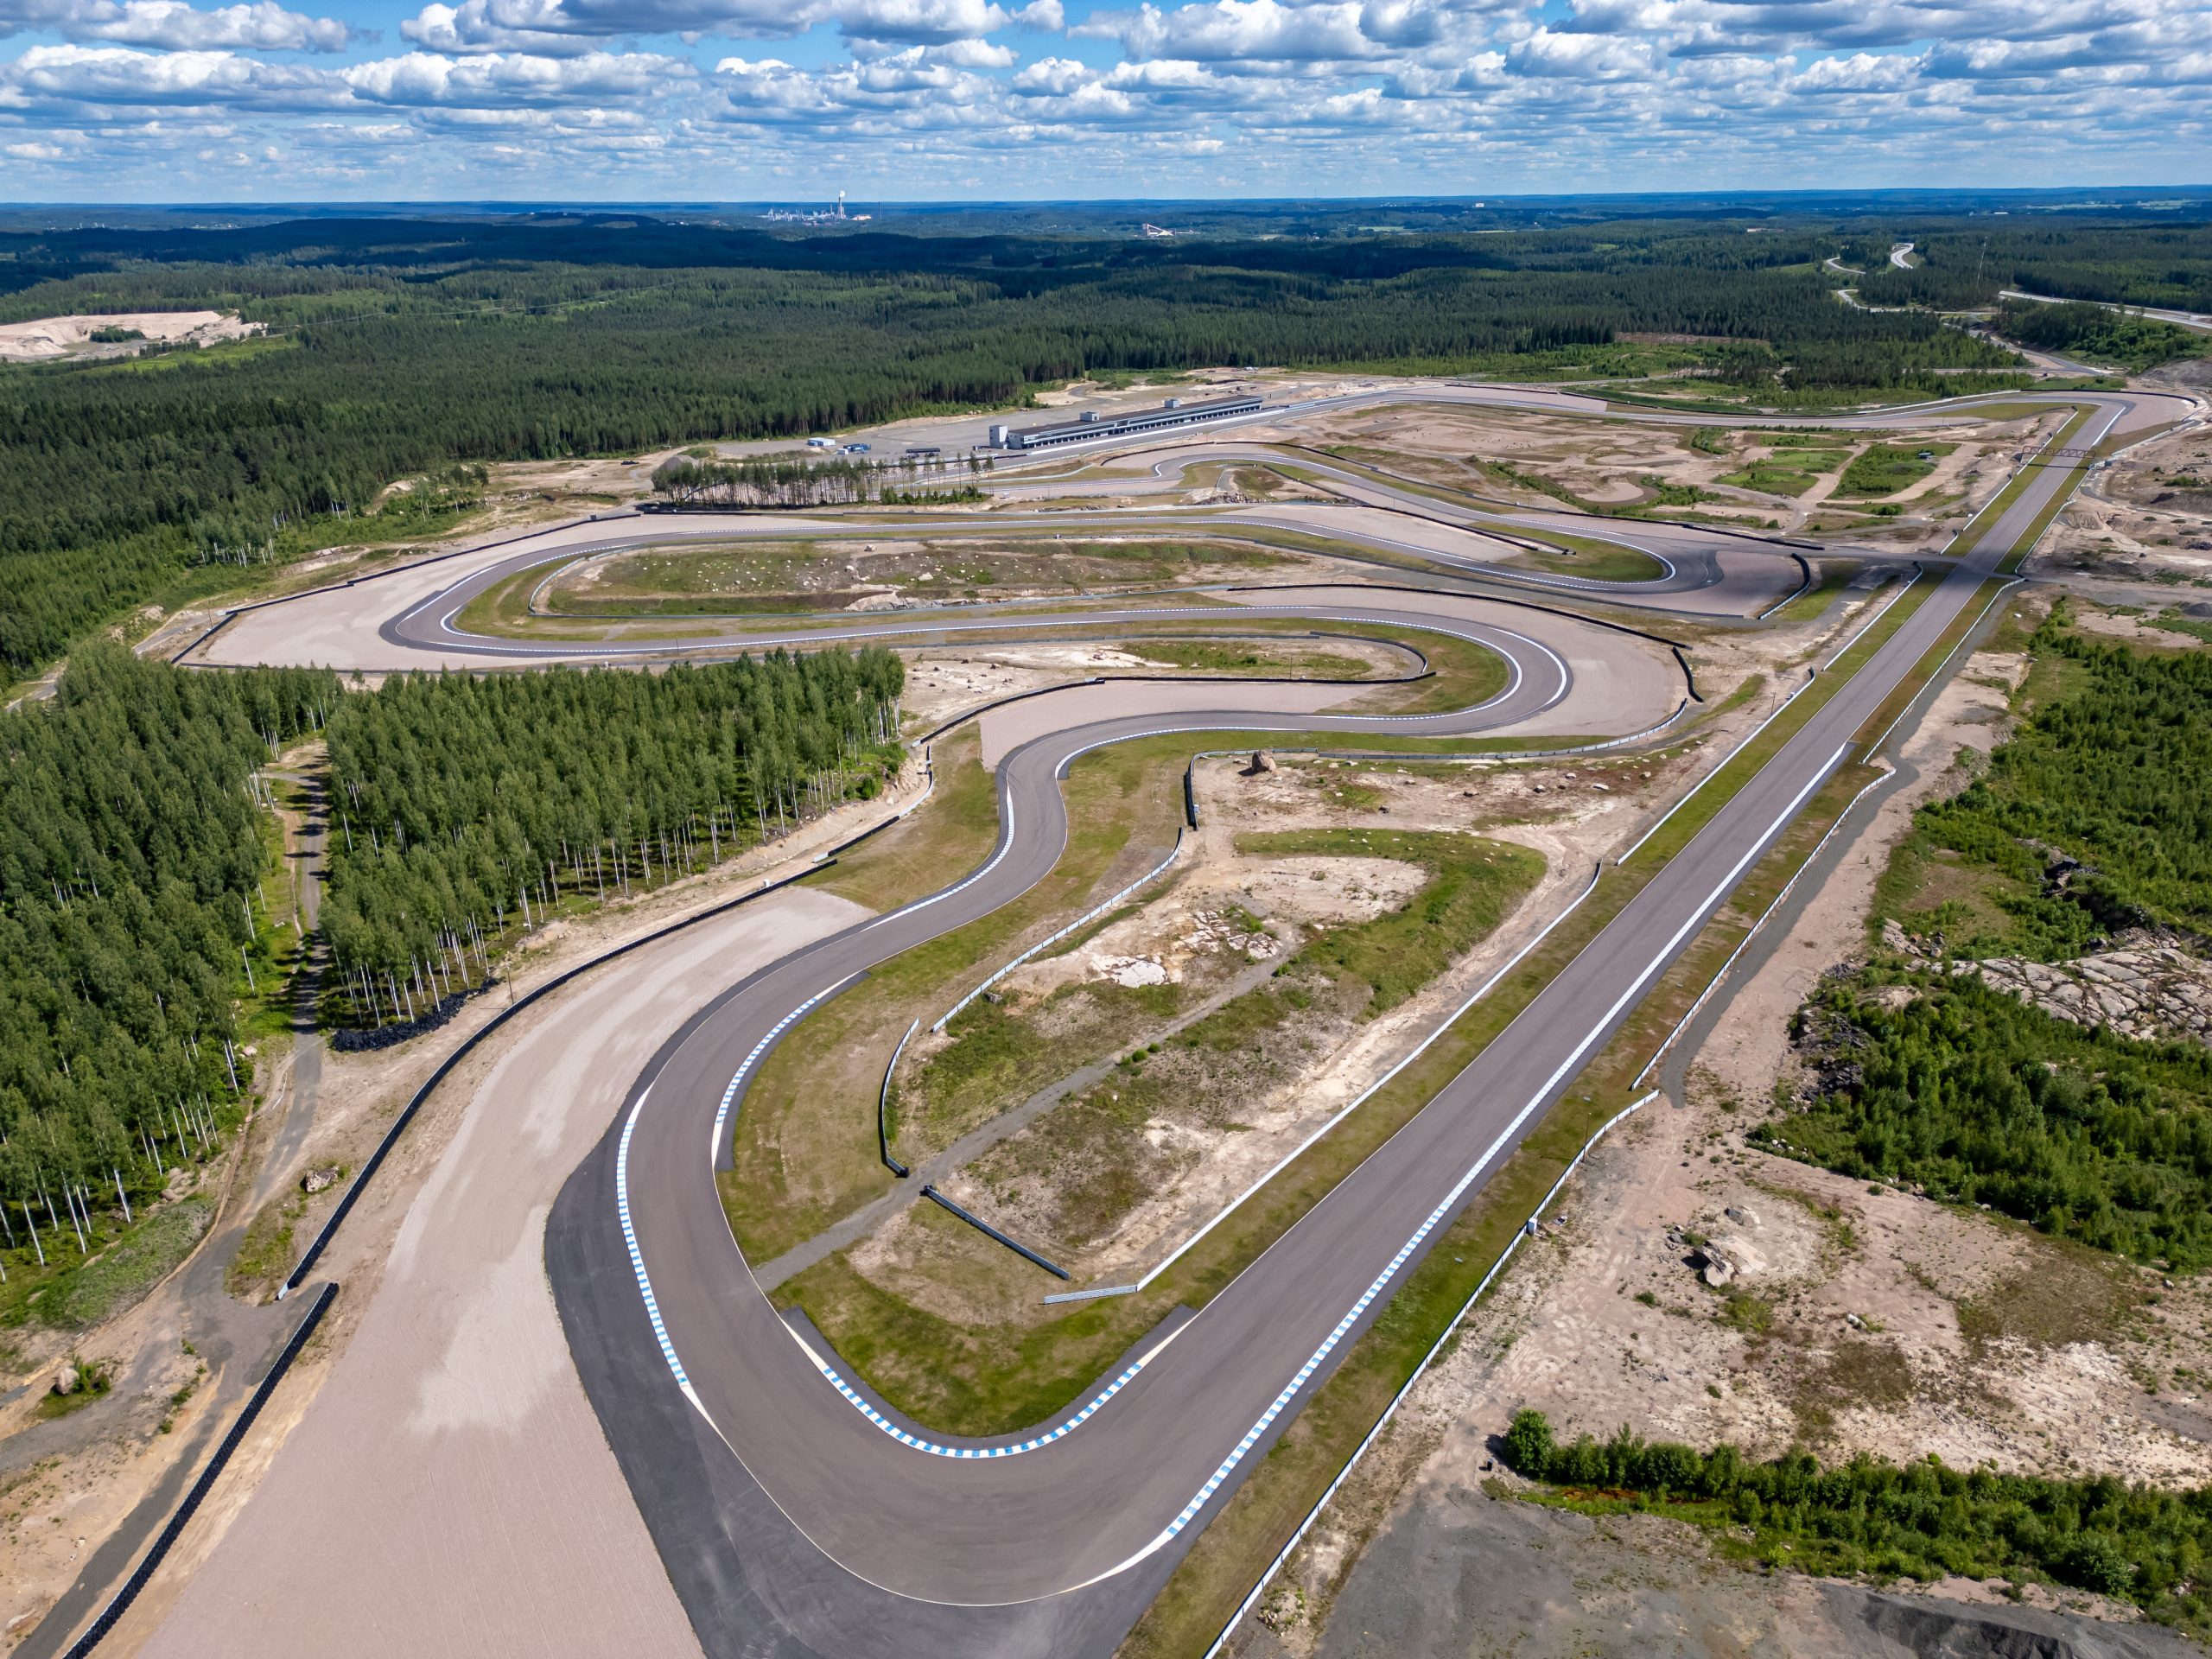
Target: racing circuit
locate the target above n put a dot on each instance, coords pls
(792, 1513)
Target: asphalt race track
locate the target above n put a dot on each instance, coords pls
(410, 621)
(794, 1517)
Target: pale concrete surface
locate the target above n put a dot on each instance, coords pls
(449, 1491)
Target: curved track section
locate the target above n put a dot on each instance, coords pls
(412, 621)
(957, 1522)
(1091, 1505)
(790, 1522)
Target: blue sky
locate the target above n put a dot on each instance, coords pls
(157, 100)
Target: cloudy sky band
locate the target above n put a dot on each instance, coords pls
(735, 100)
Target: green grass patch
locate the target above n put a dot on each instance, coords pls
(1792, 471)
(1886, 468)
(1592, 558)
(98, 1287)
(1473, 884)
(2193, 627)
(1832, 577)
(1245, 657)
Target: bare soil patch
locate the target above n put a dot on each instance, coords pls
(942, 681)
(46, 338)
(1525, 457)
(2147, 515)
(896, 571)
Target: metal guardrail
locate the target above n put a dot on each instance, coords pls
(1075, 926)
(883, 1108)
(989, 1231)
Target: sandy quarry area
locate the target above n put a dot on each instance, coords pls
(1857, 1319)
(47, 339)
(2146, 516)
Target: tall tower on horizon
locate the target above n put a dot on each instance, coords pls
(841, 204)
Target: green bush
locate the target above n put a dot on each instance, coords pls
(1983, 1099)
(1921, 1520)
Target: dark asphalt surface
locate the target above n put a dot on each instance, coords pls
(1082, 1523)
(1739, 585)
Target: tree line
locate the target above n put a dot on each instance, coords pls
(1922, 1520)
(466, 811)
(2097, 331)
(801, 481)
(130, 860)
(2094, 816)
(1980, 1098)
(2113, 775)
(1967, 264)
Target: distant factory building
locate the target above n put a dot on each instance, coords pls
(1090, 425)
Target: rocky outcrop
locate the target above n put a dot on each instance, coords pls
(2149, 988)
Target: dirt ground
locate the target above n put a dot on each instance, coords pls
(1477, 1575)
(2147, 515)
(1856, 1318)
(944, 680)
(897, 572)
(48, 338)
(1602, 464)
(1570, 811)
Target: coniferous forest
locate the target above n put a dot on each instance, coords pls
(131, 854)
(465, 810)
(1975, 1095)
(1919, 1520)
(135, 843)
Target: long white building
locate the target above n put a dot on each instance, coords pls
(1174, 412)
